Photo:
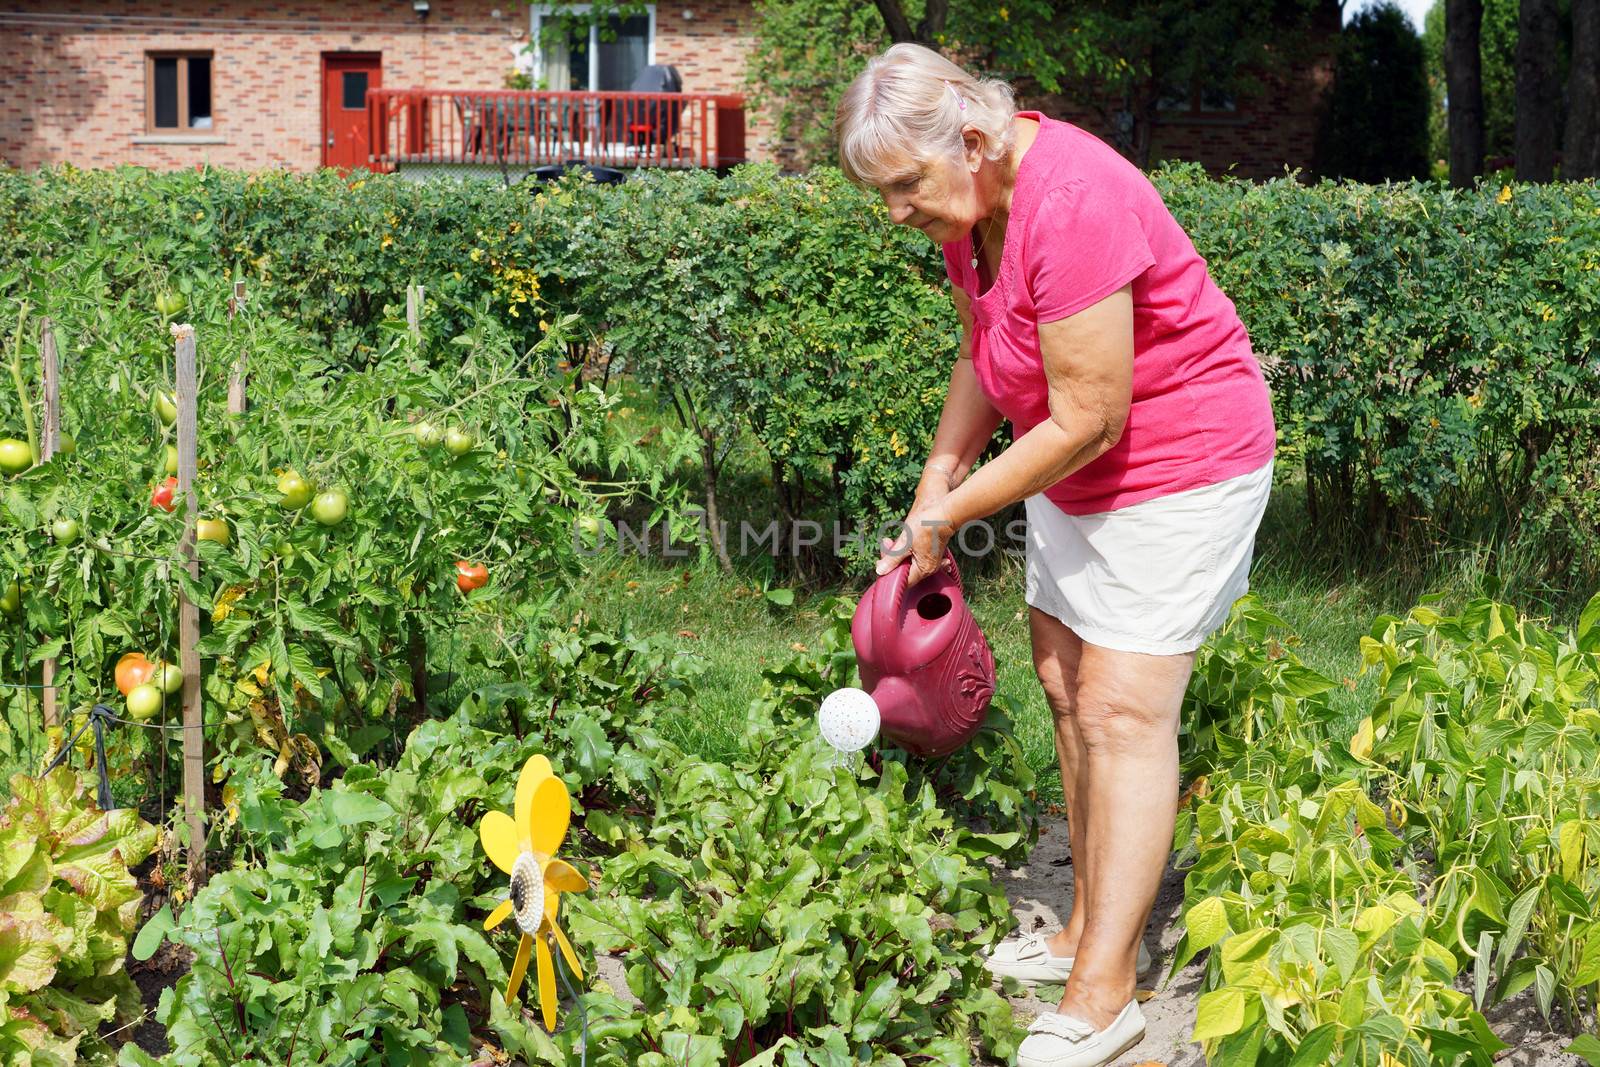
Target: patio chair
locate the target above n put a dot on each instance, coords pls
(652, 126)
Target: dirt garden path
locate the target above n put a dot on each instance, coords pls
(1044, 884)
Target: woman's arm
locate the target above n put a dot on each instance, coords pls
(1088, 364)
(968, 420)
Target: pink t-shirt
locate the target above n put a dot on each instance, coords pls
(1085, 222)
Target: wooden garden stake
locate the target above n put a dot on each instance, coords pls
(236, 379)
(49, 440)
(414, 311)
(416, 639)
(194, 763)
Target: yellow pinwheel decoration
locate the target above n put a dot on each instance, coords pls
(524, 847)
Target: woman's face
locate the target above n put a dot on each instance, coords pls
(940, 196)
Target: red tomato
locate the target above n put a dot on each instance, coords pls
(162, 497)
(470, 576)
(133, 670)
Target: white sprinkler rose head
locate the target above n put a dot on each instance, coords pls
(849, 719)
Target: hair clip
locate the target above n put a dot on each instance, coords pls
(952, 88)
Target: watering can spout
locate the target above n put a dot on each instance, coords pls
(924, 660)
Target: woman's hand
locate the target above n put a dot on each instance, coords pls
(927, 530)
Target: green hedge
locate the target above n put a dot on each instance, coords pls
(1432, 352)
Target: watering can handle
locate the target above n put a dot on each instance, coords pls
(886, 610)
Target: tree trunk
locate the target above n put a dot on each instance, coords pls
(1463, 67)
(894, 19)
(708, 457)
(1581, 156)
(935, 13)
(1538, 94)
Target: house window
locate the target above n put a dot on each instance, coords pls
(354, 86)
(602, 57)
(1197, 99)
(178, 91)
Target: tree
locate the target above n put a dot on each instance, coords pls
(1463, 64)
(1538, 96)
(1581, 151)
(1376, 127)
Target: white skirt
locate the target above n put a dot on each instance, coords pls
(1156, 577)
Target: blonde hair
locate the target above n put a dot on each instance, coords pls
(911, 102)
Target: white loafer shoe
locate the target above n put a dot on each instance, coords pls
(1028, 959)
(1056, 1040)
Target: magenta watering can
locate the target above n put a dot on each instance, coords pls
(924, 660)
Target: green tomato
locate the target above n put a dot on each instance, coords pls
(459, 442)
(590, 527)
(169, 303)
(294, 490)
(212, 530)
(427, 434)
(169, 676)
(11, 599)
(166, 408)
(15, 456)
(330, 507)
(65, 445)
(144, 701)
(64, 530)
(172, 459)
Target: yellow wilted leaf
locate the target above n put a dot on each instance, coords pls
(225, 602)
(1361, 743)
(263, 672)
(1570, 842)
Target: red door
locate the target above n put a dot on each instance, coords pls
(346, 77)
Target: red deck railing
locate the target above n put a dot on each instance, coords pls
(535, 128)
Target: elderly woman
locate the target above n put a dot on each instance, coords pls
(1142, 448)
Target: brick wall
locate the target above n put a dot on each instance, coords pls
(74, 70)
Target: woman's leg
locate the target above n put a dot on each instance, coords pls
(1127, 707)
(1056, 652)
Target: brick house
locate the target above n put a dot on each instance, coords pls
(283, 83)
